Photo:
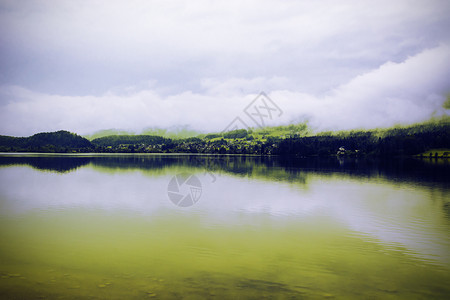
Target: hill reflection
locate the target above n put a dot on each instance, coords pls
(287, 169)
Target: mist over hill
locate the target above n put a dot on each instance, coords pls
(173, 132)
(294, 139)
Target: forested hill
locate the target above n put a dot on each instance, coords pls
(59, 141)
(117, 140)
(297, 140)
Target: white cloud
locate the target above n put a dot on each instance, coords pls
(395, 93)
(90, 47)
(405, 92)
(91, 65)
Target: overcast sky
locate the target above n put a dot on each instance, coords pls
(84, 66)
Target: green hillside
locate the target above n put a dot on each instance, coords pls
(117, 140)
(59, 141)
(297, 140)
(177, 132)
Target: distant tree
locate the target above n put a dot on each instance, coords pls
(235, 134)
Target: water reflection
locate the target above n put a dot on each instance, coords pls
(309, 216)
(412, 170)
(42, 162)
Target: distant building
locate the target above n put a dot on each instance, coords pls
(341, 151)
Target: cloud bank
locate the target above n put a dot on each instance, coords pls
(395, 93)
(85, 66)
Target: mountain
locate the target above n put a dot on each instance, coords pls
(116, 140)
(428, 137)
(174, 132)
(59, 141)
(107, 132)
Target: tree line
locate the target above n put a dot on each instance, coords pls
(47, 142)
(401, 141)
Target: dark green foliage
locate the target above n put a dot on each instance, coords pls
(8, 143)
(116, 140)
(212, 136)
(326, 145)
(235, 134)
(59, 141)
(392, 142)
(191, 140)
(400, 141)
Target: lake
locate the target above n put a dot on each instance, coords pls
(223, 227)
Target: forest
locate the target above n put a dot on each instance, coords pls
(292, 140)
(48, 142)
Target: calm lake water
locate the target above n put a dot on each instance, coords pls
(104, 227)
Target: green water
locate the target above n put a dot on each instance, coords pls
(103, 227)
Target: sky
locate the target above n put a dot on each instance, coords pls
(86, 66)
